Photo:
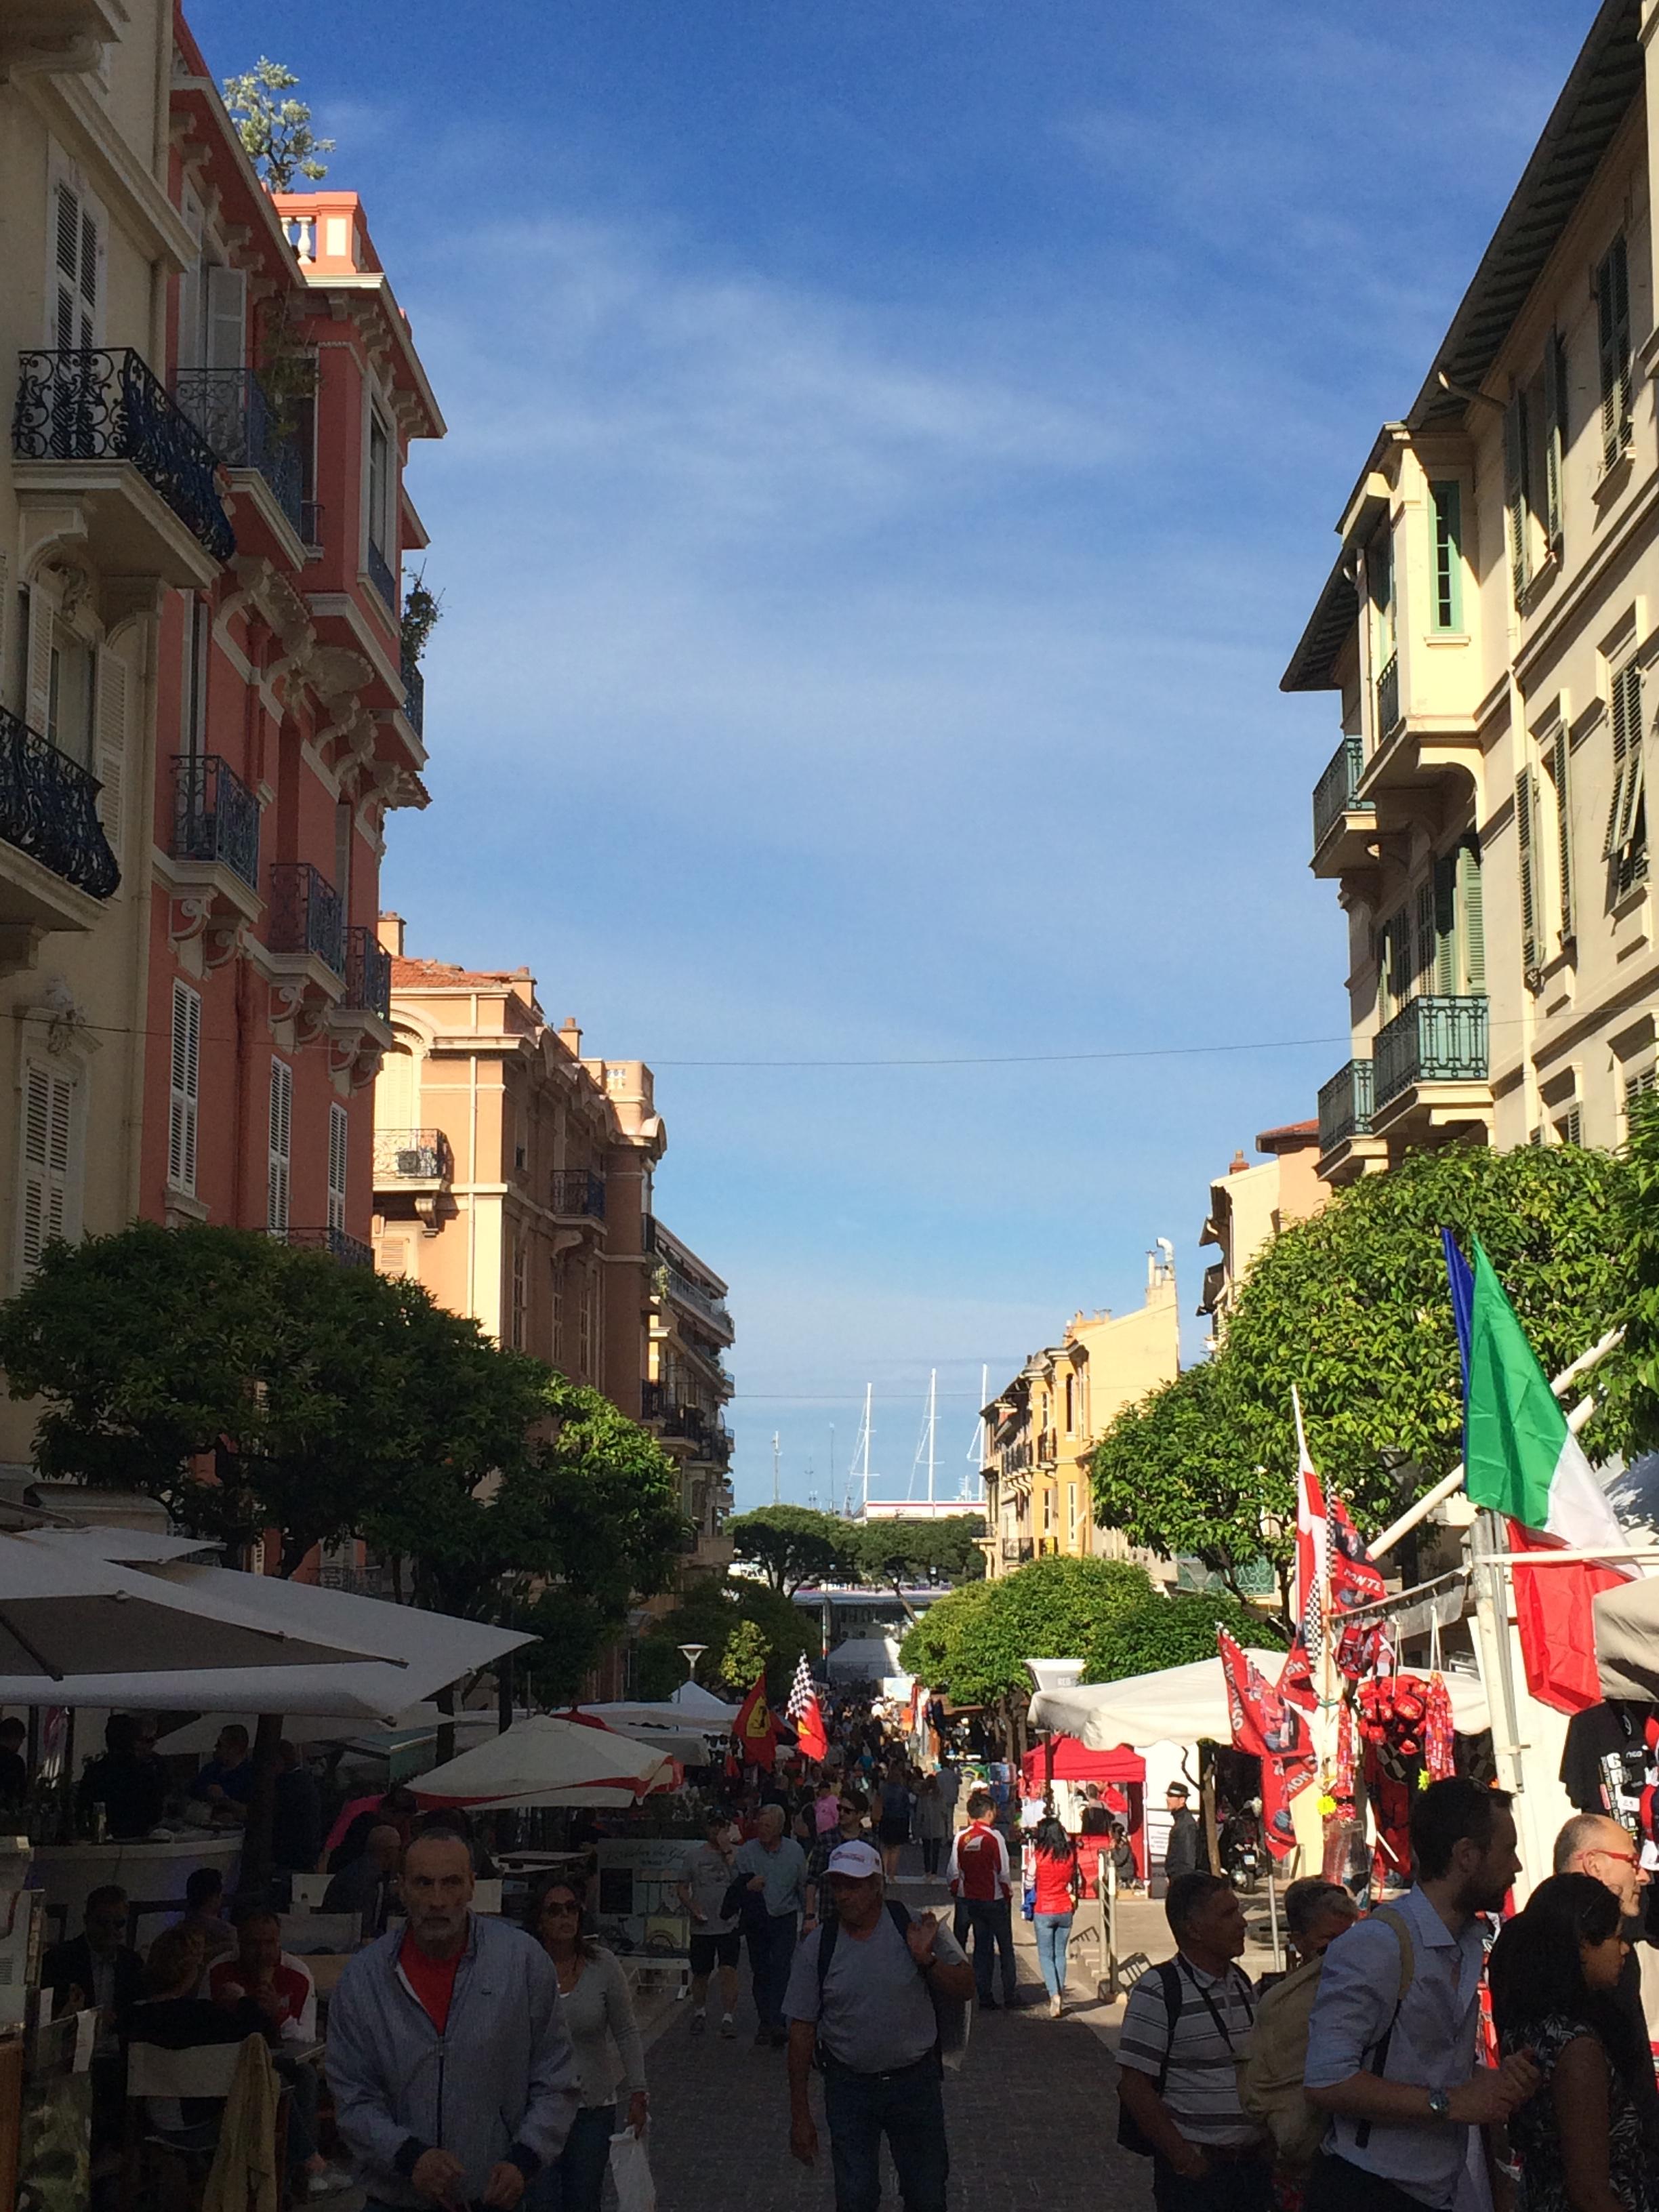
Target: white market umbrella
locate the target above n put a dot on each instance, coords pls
(124, 1548)
(539, 1761)
(414, 1723)
(691, 1701)
(1187, 1704)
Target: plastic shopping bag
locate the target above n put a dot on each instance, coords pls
(630, 2170)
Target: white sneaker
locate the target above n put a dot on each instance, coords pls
(329, 2183)
(728, 2026)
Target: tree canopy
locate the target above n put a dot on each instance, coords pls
(898, 1551)
(1351, 1307)
(745, 1626)
(793, 1544)
(1635, 1375)
(275, 130)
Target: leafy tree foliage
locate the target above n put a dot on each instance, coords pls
(1351, 1307)
(744, 1623)
(1638, 1370)
(900, 1553)
(1172, 1632)
(275, 130)
(792, 1544)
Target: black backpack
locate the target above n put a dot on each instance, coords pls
(950, 2018)
(1131, 2135)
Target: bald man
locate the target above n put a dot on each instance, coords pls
(1605, 1850)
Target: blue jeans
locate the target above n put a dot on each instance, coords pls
(1054, 1933)
(576, 2178)
(990, 1920)
(905, 2107)
(771, 1954)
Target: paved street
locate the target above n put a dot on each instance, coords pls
(1031, 2115)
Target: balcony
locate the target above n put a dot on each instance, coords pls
(408, 1155)
(1344, 824)
(576, 1195)
(304, 916)
(228, 406)
(216, 818)
(349, 1251)
(1431, 1040)
(96, 427)
(368, 974)
(49, 812)
(414, 695)
(380, 576)
(1344, 1105)
(1388, 701)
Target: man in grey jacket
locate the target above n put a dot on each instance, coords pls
(451, 2069)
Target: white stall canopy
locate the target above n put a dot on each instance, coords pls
(1187, 1704)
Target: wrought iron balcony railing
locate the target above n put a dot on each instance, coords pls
(1388, 700)
(1433, 1039)
(1338, 789)
(367, 972)
(681, 1286)
(414, 695)
(48, 808)
(576, 1191)
(349, 1251)
(412, 1155)
(215, 815)
(305, 915)
(1344, 1105)
(105, 404)
(380, 576)
(228, 406)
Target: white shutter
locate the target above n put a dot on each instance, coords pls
(48, 1141)
(184, 1101)
(37, 710)
(227, 318)
(74, 309)
(110, 763)
(282, 1132)
(337, 1127)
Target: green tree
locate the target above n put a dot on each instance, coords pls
(1170, 1474)
(1159, 1632)
(1638, 1369)
(792, 1544)
(275, 130)
(712, 1613)
(748, 1648)
(896, 1552)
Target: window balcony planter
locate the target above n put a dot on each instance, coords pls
(56, 865)
(228, 406)
(576, 1194)
(98, 426)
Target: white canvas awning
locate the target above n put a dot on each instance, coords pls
(543, 1761)
(1627, 1639)
(702, 1704)
(1187, 1704)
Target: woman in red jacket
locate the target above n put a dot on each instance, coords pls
(1058, 1880)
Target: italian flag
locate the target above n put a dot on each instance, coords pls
(1521, 1460)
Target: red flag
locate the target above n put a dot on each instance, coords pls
(756, 1729)
(1554, 1614)
(1262, 1723)
(804, 1711)
(1356, 1578)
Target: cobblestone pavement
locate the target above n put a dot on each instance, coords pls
(1031, 2115)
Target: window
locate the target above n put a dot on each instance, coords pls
(1518, 493)
(1445, 510)
(112, 758)
(197, 630)
(520, 1298)
(379, 486)
(1379, 585)
(555, 1353)
(1531, 894)
(1070, 1406)
(1639, 1086)
(69, 694)
(1393, 965)
(1613, 327)
(282, 1138)
(1555, 438)
(75, 295)
(585, 1305)
(1569, 1128)
(339, 1127)
(226, 332)
(184, 1096)
(1560, 760)
(47, 1211)
(1626, 845)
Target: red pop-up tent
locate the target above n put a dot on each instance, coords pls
(1120, 1772)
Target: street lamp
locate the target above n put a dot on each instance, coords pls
(691, 1653)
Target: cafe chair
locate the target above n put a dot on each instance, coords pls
(164, 2172)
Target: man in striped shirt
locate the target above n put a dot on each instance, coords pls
(1185, 2028)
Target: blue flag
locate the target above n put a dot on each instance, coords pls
(1460, 1278)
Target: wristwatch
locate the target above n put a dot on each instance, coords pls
(1439, 2104)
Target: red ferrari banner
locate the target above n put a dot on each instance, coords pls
(756, 1731)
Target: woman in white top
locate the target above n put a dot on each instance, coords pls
(599, 2015)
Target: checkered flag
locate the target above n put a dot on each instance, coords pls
(803, 1710)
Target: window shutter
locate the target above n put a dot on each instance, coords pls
(282, 1130)
(226, 317)
(1472, 917)
(1613, 327)
(48, 1136)
(1515, 491)
(110, 765)
(1561, 759)
(184, 1088)
(1446, 980)
(1425, 963)
(1445, 520)
(1555, 435)
(1627, 721)
(338, 1128)
(1525, 812)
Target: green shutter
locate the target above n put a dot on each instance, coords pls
(1560, 771)
(1447, 555)
(1612, 330)
(1524, 812)
(1555, 435)
(1426, 936)
(1445, 925)
(1471, 921)
(1514, 492)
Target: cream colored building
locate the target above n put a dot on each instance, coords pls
(689, 1387)
(1041, 1430)
(1249, 1206)
(1491, 626)
(100, 518)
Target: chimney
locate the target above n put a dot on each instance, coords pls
(1240, 1164)
(391, 934)
(571, 1037)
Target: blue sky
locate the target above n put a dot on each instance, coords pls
(893, 449)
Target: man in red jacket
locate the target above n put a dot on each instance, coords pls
(978, 1875)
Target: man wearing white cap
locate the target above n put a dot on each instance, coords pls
(862, 1989)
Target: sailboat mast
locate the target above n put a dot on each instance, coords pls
(933, 1414)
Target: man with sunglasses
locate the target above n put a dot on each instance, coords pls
(1604, 1849)
(851, 1827)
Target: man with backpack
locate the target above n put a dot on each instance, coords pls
(1185, 2030)
(1270, 2085)
(863, 1993)
(1391, 2040)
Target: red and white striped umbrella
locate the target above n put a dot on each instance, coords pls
(546, 1761)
